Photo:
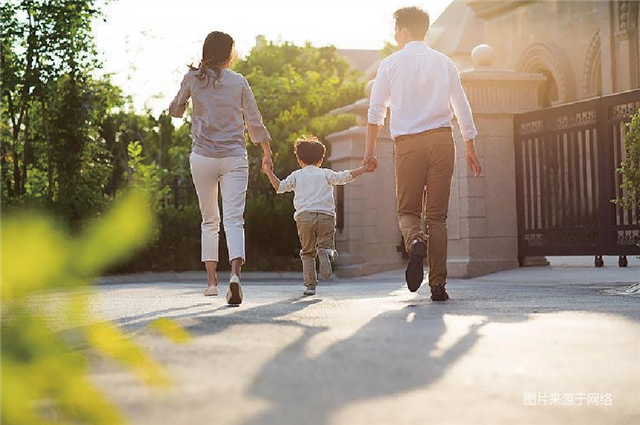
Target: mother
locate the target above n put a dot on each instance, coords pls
(223, 104)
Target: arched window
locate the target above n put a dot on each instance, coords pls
(592, 69)
(550, 61)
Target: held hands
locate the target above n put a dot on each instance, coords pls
(370, 162)
(267, 164)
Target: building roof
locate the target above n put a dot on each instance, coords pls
(456, 31)
(361, 59)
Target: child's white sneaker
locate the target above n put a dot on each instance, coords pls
(310, 290)
(325, 257)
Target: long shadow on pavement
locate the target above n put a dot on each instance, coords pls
(388, 356)
(392, 353)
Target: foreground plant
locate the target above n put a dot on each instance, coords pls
(44, 378)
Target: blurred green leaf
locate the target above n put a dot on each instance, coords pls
(29, 240)
(114, 344)
(170, 329)
(97, 249)
(44, 380)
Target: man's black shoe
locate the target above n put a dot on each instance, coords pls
(415, 268)
(438, 293)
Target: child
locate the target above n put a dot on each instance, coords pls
(315, 207)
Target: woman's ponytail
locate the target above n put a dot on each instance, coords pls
(216, 50)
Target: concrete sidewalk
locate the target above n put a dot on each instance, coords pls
(197, 276)
(587, 273)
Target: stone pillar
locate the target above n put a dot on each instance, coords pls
(370, 238)
(482, 219)
(606, 48)
(627, 41)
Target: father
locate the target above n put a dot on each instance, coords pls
(421, 86)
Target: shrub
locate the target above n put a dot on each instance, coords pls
(630, 168)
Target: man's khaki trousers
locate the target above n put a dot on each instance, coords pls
(425, 160)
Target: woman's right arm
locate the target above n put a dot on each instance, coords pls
(253, 120)
(179, 103)
(267, 155)
(273, 179)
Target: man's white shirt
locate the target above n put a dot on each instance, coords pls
(422, 86)
(313, 188)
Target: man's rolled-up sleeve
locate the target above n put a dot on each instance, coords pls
(380, 96)
(460, 104)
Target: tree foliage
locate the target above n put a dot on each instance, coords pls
(295, 88)
(51, 107)
(71, 142)
(630, 167)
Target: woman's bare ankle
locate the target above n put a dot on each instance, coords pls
(236, 266)
(212, 275)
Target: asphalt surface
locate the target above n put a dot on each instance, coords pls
(366, 351)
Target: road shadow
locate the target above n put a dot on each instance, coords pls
(398, 351)
(203, 323)
(395, 352)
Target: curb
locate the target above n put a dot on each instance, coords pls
(195, 276)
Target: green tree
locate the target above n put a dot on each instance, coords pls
(55, 115)
(630, 167)
(389, 49)
(41, 41)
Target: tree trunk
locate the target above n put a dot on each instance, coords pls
(159, 161)
(17, 184)
(49, 158)
(6, 176)
(22, 107)
(26, 151)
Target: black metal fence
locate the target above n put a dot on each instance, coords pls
(183, 193)
(566, 161)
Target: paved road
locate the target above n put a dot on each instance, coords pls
(366, 351)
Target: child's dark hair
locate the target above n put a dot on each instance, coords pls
(216, 50)
(415, 19)
(309, 150)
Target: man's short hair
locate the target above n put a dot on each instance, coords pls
(414, 18)
(309, 150)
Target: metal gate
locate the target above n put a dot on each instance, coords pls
(566, 161)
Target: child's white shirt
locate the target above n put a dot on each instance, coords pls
(313, 188)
